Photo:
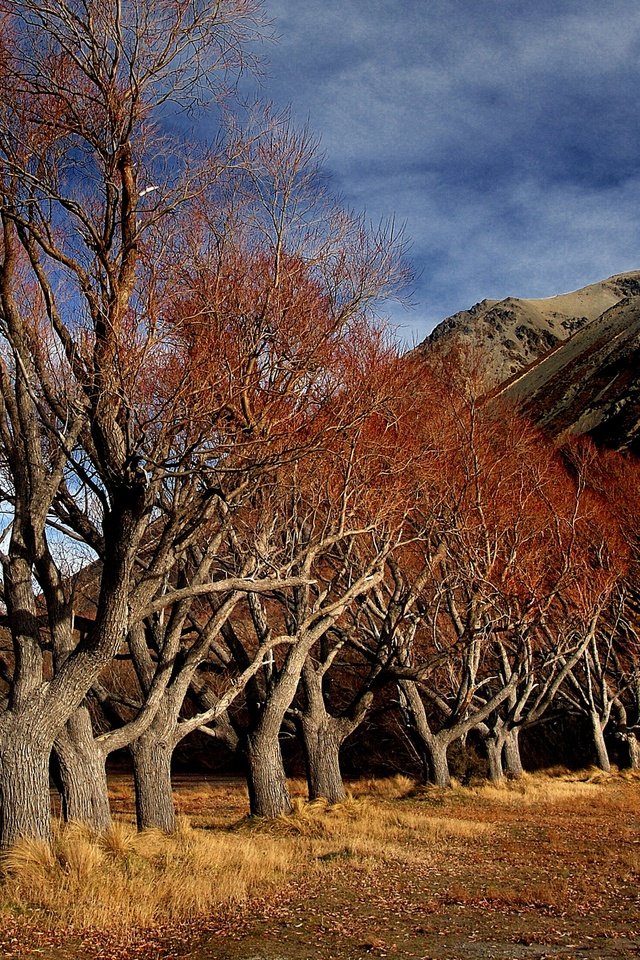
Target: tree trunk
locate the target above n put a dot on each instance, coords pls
(634, 751)
(152, 782)
(511, 754)
(266, 778)
(439, 774)
(82, 774)
(25, 801)
(493, 746)
(600, 747)
(322, 744)
(433, 746)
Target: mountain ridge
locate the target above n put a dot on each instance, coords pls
(570, 362)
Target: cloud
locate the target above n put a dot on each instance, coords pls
(528, 240)
(505, 133)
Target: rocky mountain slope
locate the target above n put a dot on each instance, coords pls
(570, 362)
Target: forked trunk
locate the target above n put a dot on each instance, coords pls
(322, 744)
(431, 753)
(599, 745)
(25, 802)
(82, 774)
(511, 755)
(152, 782)
(266, 777)
(432, 746)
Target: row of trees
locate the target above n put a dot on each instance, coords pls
(229, 506)
(483, 587)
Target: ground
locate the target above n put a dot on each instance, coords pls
(546, 870)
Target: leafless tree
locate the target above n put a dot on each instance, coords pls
(89, 198)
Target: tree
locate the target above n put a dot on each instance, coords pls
(89, 199)
(79, 83)
(131, 422)
(612, 478)
(327, 520)
(274, 304)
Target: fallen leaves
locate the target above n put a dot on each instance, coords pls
(561, 877)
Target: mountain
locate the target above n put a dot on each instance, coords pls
(570, 362)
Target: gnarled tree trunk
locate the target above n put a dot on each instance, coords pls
(82, 773)
(599, 745)
(322, 741)
(323, 733)
(434, 746)
(502, 745)
(511, 755)
(437, 749)
(25, 802)
(266, 777)
(493, 745)
(152, 781)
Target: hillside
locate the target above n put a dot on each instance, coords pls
(591, 383)
(571, 362)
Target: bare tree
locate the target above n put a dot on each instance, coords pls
(335, 533)
(498, 539)
(86, 195)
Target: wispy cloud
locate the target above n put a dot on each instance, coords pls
(504, 132)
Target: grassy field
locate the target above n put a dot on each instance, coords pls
(548, 867)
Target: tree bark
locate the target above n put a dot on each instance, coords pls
(439, 774)
(323, 735)
(152, 782)
(511, 755)
(434, 746)
(266, 777)
(25, 801)
(82, 774)
(634, 751)
(493, 746)
(600, 747)
(322, 742)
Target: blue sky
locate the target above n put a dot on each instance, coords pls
(504, 133)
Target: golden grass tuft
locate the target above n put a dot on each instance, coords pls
(30, 859)
(76, 853)
(386, 788)
(119, 841)
(362, 828)
(123, 880)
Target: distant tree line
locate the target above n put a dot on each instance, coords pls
(229, 505)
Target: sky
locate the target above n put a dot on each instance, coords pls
(504, 134)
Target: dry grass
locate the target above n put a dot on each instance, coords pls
(556, 786)
(388, 788)
(532, 790)
(128, 880)
(363, 828)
